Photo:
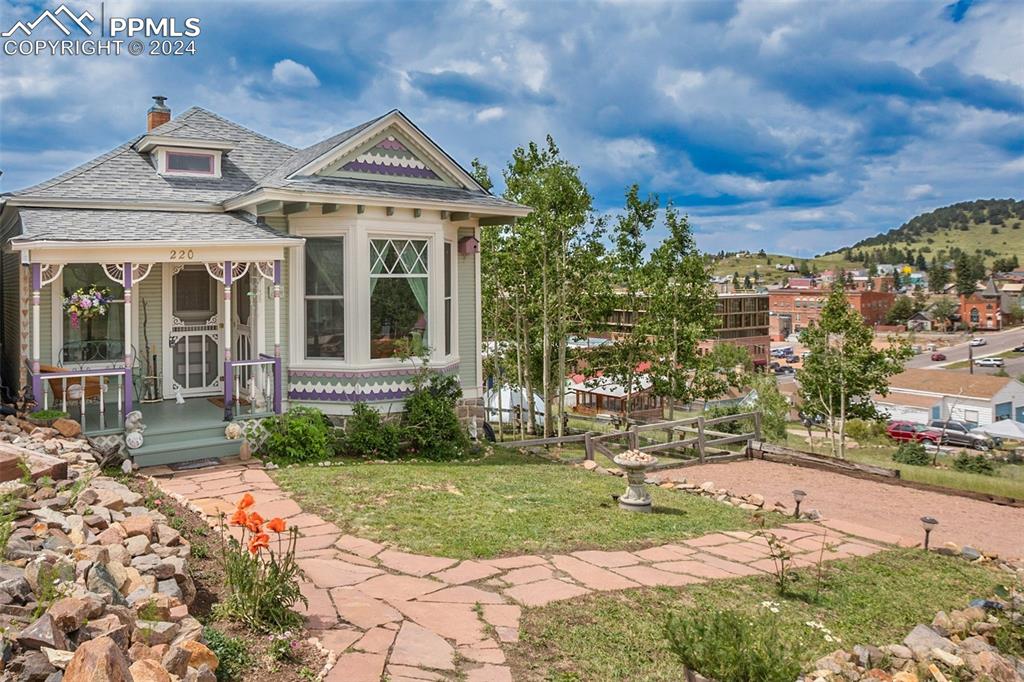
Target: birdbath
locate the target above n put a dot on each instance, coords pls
(635, 464)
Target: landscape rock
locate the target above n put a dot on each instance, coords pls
(99, 660)
(43, 632)
(148, 670)
(199, 655)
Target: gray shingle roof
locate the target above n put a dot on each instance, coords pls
(384, 190)
(88, 225)
(125, 174)
(256, 161)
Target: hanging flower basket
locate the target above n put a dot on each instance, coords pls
(87, 303)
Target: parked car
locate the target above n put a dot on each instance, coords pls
(792, 359)
(1019, 349)
(909, 431)
(959, 433)
(989, 362)
(773, 366)
(784, 369)
(978, 341)
(938, 357)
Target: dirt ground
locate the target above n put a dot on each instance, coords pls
(878, 505)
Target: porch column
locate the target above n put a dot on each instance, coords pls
(129, 384)
(277, 337)
(229, 374)
(37, 381)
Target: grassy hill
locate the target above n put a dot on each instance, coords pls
(990, 228)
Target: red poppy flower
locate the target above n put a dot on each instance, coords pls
(258, 542)
(239, 518)
(277, 525)
(246, 501)
(254, 523)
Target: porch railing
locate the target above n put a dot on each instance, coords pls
(252, 387)
(85, 387)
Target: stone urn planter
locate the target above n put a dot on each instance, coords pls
(635, 464)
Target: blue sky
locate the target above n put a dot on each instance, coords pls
(796, 126)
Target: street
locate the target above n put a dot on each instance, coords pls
(997, 342)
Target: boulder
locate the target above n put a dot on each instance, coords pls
(101, 582)
(154, 632)
(58, 658)
(200, 654)
(922, 639)
(43, 632)
(138, 546)
(148, 670)
(138, 525)
(70, 613)
(68, 428)
(33, 666)
(99, 660)
(175, 661)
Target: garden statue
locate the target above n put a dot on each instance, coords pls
(178, 397)
(133, 428)
(233, 431)
(474, 436)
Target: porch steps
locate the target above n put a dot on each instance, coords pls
(184, 443)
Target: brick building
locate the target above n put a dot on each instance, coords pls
(793, 310)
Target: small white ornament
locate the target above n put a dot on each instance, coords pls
(178, 397)
(126, 466)
(233, 431)
(133, 440)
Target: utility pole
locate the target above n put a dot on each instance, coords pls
(970, 357)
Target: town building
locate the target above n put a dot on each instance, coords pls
(920, 395)
(742, 321)
(986, 307)
(240, 275)
(793, 310)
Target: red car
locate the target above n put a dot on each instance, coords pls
(936, 357)
(904, 430)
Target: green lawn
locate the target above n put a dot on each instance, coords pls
(620, 636)
(504, 504)
(1008, 480)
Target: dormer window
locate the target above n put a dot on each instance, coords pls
(194, 163)
(190, 157)
(186, 162)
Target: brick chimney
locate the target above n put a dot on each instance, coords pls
(158, 114)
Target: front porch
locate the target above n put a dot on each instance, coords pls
(195, 359)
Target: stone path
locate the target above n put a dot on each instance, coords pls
(412, 618)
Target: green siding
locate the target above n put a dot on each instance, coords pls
(469, 348)
(10, 302)
(150, 293)
(45, 323)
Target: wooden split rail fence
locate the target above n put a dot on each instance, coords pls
(693, 433)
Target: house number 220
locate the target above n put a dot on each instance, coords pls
(182, 254)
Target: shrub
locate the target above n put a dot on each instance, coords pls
(232, 654)
(733, 647)
(368, 435)
(736, 426)
(865, 430)
(912, 453)
(431, 425)
(302, 434)
(48, 415)
(974, 464)
(263, 584)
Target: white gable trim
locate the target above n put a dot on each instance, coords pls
(433, 153)
(478, 210)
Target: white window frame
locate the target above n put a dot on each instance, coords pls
(433, 285)
(162, 166)
(322, 297)
(57, 324)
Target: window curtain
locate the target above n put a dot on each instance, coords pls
(410, 265)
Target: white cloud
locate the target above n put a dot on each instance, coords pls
(294, 75)
(629, 152)
(915, 192)
(490, 114)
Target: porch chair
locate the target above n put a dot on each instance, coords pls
(93, 386)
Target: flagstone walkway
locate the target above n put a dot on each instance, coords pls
(411, 618)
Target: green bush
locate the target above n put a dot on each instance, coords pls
(912, 453)
(368, 435)
(232, 654)
(46, 415)
(302, 434)
(432, 427)
(733, 647)
(974, 464)
(736, 426)
(865, 430)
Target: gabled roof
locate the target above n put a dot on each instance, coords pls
(256, 163)
(947, 382)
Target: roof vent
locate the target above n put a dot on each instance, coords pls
(158, 114)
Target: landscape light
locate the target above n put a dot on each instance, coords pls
(798, 496)
(928, 523)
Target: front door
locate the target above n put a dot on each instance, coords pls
(193, 353)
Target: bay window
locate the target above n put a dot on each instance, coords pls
(324, 298)
(98, 338)
(399, 295)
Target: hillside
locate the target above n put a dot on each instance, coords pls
(991, 227)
